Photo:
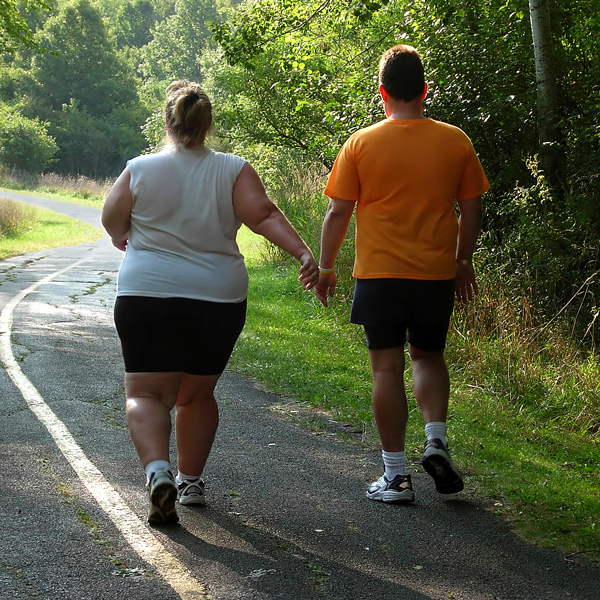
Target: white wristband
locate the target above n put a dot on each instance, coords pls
(323, 271)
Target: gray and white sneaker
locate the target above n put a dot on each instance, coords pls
(190, 492)
(162, 493)
(438, 463)
(399, 489)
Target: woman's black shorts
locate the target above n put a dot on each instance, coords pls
(177, 334)
(390, 308)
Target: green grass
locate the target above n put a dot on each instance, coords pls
(25, 229)
(524, 431)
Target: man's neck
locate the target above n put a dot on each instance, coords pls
(404, 111)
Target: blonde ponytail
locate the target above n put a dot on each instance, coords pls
(188, 113)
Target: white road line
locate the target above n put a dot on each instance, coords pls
(133, 529)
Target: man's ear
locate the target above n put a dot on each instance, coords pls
(384, 94)
(425, 92)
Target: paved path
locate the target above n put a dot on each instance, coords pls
(287, 518)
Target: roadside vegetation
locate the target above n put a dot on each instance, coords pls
(75, 189)
(524, 421)
(25, 228)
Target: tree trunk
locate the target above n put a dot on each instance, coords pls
(545, 71)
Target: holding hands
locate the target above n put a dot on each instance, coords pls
(308, 274)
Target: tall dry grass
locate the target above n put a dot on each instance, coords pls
(15, 217)
(509, 348)
(75, 186)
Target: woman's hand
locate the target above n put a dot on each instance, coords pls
(308, 274)
(120, 243)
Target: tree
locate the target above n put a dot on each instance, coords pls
(84, 65)
(547, 92)
(304, 74)
(87, 92)
(175, 49)
(134, 23)
(24, 143)
(176, 52)
(14, 30)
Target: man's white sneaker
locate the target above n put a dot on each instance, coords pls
(438, 463)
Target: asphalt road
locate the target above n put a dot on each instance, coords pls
(286, 519)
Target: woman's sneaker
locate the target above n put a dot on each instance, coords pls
(398, 489)
(162, 492)
(191, 492)
(438, 463)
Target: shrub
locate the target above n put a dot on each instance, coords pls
(25, 143)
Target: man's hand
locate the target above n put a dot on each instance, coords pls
(465, 284)
(325, 287)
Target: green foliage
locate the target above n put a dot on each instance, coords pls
(95, 146)
(291, 84)
(175, 52)
(24, 143)
(85, 67)
(134, 23)
(15, 31)
(86, 91)
(175, 49)
(15, 83)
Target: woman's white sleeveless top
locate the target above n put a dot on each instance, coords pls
(183, 228)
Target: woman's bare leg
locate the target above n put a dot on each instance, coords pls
(150, 399)
(196, 422)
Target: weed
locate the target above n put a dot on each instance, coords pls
(79, 187)
(16, 218)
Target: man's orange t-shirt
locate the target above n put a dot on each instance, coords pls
(406, 177)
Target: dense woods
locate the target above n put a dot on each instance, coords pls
(82, 83)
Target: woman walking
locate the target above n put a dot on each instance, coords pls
(182, 286)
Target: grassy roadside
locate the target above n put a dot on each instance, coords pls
(521, 451)
(91, 201)
(26, 228)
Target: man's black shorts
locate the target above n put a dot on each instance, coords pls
(177, 334)
(389, 309)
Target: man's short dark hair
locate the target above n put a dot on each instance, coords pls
(401, 73)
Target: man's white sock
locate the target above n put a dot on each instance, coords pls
(394, 464)
(436, 430)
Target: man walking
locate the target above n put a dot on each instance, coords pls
(404, 175)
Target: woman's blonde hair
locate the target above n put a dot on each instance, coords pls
(188, 113)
